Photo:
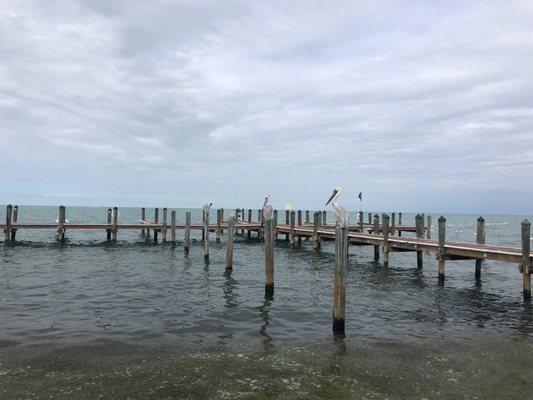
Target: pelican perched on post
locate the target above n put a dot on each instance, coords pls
(340, 212)
(207, 206)
(267, 208)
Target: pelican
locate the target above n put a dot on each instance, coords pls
(207, 206)
(340, 212)
(267, 208)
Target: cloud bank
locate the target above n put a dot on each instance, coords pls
(420, 105)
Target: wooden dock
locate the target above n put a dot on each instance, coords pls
(383, 236)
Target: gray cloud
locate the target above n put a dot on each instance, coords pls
(426, 107)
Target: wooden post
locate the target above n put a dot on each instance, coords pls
(442, 247)
(219, 226)
(275, 223)
(316, 223)
(526, 258)
(206, 235)
(143, 218)
(324, 219)
(187, 234)
(375, 231)
(249, 221)
(14, 221)
(291, 235)
(287, 222)
(386, 240)
(307, 217)
(400, 223)
(428, 227)
(369, 218)
(109, 221)
(269, 257)
(173, 226)
(229, 248)
(339, 283)
(164, 228)
(393, 224)
(61, 222)
(361, 224)
(480, 238)
(419, 222)
(299, 224)
(261, 219)
(243, 219)
(9, 212)
(115, 224)
(156, 220)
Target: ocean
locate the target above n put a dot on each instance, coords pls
(90, 319)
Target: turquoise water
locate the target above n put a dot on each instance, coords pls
(90, 319)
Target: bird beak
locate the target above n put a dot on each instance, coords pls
(332, 196)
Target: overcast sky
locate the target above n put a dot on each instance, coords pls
(422, 106)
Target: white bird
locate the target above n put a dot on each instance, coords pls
(207, 206)
(340, 212)
(267, 208)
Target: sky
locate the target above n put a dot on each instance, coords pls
(422, 106)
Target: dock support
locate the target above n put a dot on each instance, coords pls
(173, 226)
(61, 222)
(249, 221)
(375, 231)
(229, 248)
(287, 222)
(156, 220)
(292, 222)
(339, 282)
(269, 257)
(324, 219)
(361, 224)
(400, 223)
(393, 224)
(386, 240)
(442, 248)
(316, 223)
(369, 218)
(109, 221)
(14, 220)
(307, 217)
(143, 218)
(164, 228)
(219, 226)
(428, 227)
(115, 224)
(9, 212)
(419, 234)
(206, 235)
(299, 224)
(187, 234)
(262, 220)
(526, 258)
(275, 224)
(480, 238)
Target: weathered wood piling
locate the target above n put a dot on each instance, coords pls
(375, 231)
(526, 263)
(109, 222)
(114, 233)
(480, 239)
(206, 235)
(7, 228)
(339, 281)
(269, 256)
(14, 221)
(386, 240)
(187, 233)
(442, 248)
(419, 233)
(229, 245)
(173, 226)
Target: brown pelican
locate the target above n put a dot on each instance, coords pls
(340, 212)
(267, 208)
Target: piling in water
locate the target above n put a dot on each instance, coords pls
(269, 257)
(109, 222)
(229, 247)
(480, 238)
(316, 223)
(173, 226)
(7, 229)
(419, 223)
(61, 224)
(14, 220)
(526, 258)
(143, 218)
(187, 233)
(206, 235)
(339, 283)
(114, 233)
(442, 248)
(386, 240)
(156, 220)
(164, 227)
(375, 231)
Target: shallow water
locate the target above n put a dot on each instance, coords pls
(89, 319)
